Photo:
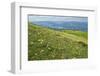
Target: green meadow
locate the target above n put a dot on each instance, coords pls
(49, 44)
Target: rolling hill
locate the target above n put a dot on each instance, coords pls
(73, 25)
(47, 44)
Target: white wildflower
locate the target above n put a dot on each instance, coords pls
(39, 33)
(42, 51)
(35, 53)
(49, 48)
(41, 41)
(32, 43)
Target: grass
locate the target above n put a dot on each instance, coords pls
(48, 44)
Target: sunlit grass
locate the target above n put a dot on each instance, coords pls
(45, 43)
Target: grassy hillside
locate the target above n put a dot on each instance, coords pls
(45, 43)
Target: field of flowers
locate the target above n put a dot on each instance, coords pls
(49, 44)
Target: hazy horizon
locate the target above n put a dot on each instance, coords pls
(33, 18)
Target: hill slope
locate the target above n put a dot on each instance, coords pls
(45, 43)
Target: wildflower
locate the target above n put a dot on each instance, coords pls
(49, 48)
(42, 51)
(32, 43)
(41, 41)
(38, 33)
(35, 53)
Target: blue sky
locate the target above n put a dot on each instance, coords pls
(33, 18)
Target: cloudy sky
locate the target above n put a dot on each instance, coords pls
(33, 18)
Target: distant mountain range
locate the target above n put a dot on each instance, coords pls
(70, 25)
